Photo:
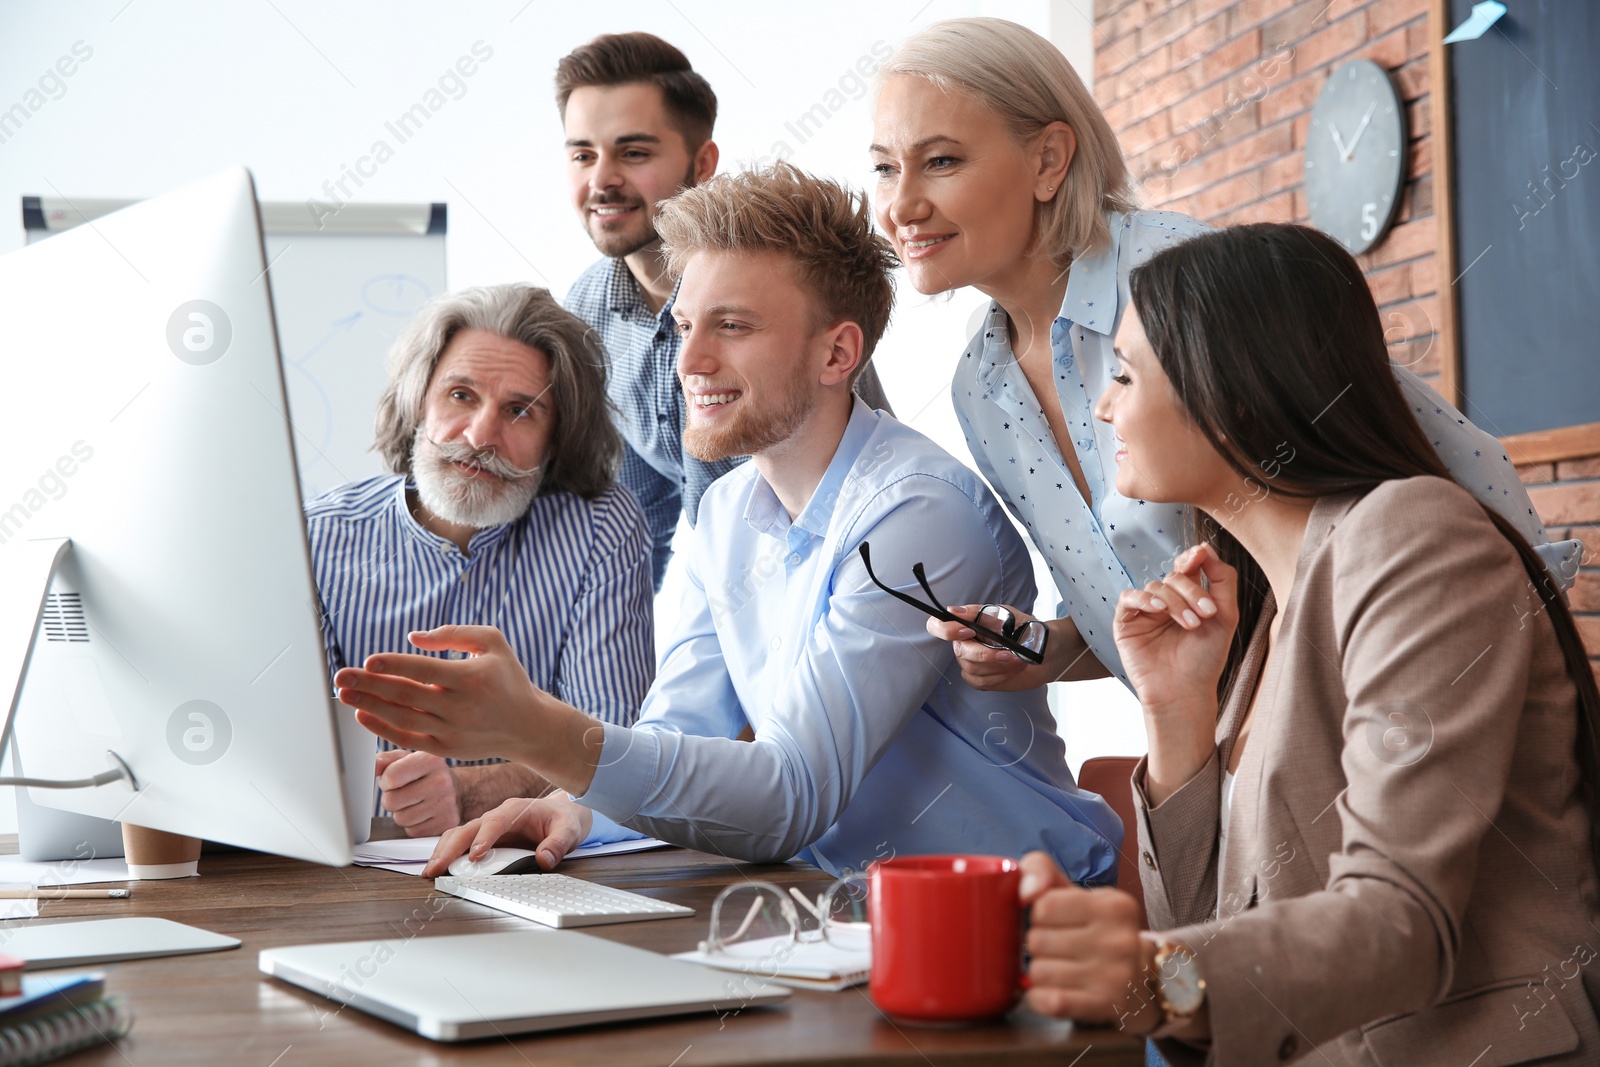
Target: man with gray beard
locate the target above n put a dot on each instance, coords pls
(502, 511)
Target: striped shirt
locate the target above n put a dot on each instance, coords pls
(568, 584)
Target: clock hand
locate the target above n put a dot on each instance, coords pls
(1337, 143)
(1360, 130)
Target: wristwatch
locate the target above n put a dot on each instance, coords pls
(1180, 987)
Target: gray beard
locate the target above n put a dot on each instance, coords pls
(472, 502)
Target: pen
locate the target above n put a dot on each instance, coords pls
(64, 894)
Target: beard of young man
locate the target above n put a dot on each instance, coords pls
(758, 424)
(470, 500)
(620, 244)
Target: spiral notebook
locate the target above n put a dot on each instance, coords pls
(56, 1015)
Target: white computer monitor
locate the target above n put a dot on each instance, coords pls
(146, 424)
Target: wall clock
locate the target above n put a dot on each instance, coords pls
(1355, 161)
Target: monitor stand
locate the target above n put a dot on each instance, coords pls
(26, 570)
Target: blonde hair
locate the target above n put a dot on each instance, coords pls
(1028, 82)
(823, 227)
(585, 448)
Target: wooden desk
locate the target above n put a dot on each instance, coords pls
(219, 1009)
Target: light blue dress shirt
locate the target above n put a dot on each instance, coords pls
(867, 742)
(1097, 549)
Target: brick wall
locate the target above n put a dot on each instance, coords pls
(1567, 496)
(1212, 99)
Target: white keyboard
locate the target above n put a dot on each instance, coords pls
(557, 900)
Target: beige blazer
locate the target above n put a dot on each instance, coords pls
(1408, 877)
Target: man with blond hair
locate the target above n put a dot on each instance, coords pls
(501, 511)
(867, 743)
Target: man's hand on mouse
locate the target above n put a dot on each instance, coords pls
(552, 826)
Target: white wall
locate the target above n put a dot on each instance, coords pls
(301, 92)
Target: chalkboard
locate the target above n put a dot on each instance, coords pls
(1525, 107)
(342, 289)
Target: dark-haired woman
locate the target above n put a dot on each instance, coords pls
(1367, 818)
(995, 169)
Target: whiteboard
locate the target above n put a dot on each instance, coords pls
(342, 290)
(340, 303)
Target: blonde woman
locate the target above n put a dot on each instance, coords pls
(996, 169)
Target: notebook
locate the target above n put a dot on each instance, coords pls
(407, 855)
(56, 1015)
(459, 987)
(820, 965)
(42, 994)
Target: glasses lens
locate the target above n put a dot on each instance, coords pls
(1031, 636)
(750, 912)
(996, 617)
(999, 619)
(848, 925)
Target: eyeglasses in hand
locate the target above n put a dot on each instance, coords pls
(1027, 640)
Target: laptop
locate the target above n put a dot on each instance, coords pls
(460, 987)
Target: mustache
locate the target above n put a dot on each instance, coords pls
(614, 200)
(481, 459)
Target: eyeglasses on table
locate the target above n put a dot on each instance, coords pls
(752, 913)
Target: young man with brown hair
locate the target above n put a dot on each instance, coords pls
(867, 742)
(638, 121)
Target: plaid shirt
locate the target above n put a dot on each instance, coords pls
(642, 381)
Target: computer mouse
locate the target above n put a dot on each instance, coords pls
(496, 861)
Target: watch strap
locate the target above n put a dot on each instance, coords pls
(1173, 1019)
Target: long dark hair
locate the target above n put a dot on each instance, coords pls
(1272, 342)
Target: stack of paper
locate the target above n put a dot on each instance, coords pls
(14, 868)
(18, 873)
(23, 908)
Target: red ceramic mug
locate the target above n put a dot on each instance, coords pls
(946, 937)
